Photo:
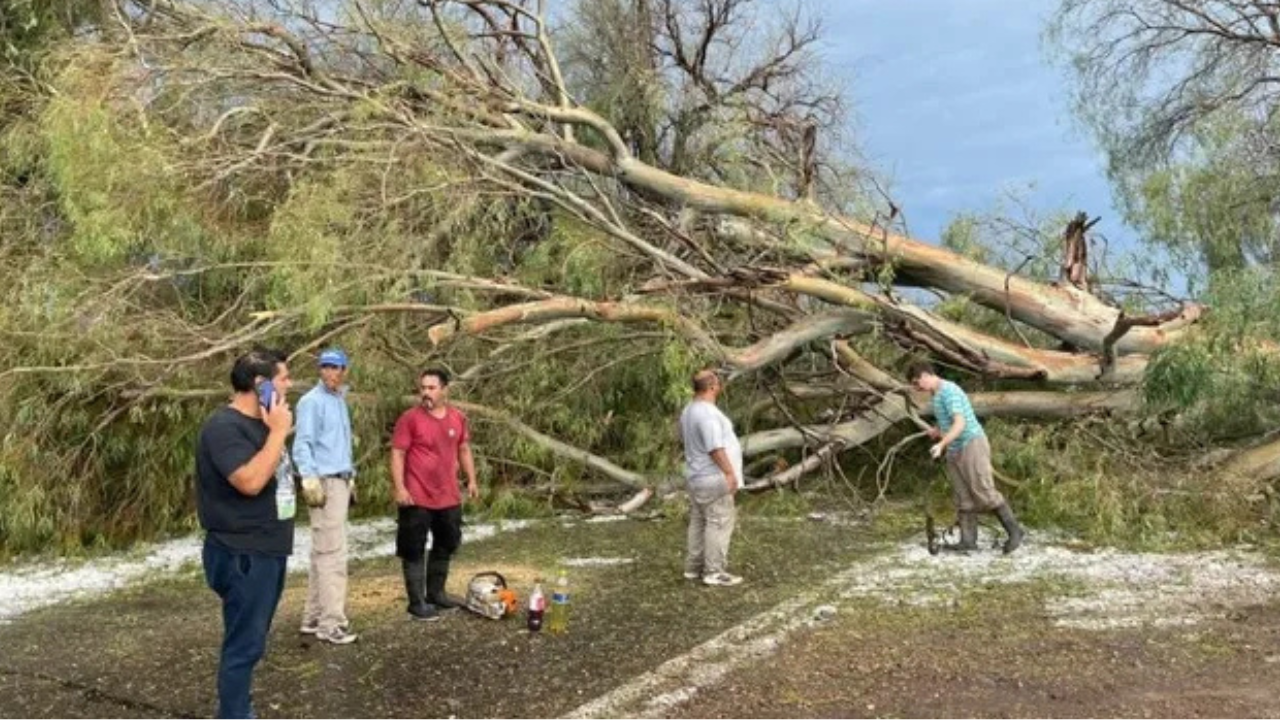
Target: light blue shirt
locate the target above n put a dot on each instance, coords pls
(950, 401)
(322, 441)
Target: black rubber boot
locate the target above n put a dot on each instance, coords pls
(415, 585)
(1011, 526)
(968, 532)
(437, 577)
(968, 523)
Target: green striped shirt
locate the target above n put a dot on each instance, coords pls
(950, 401)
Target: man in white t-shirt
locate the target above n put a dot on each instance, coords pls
(713, 471)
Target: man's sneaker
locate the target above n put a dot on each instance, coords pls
(721, 578)
(424, 612)
(311, 628)
(691, 575)
(336, 636)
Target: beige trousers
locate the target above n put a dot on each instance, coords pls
(972, 484)
(327, 576)
(711, 520)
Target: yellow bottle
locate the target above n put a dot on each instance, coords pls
(558, 613)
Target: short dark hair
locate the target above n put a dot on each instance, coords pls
(254, 364)
(918, 368)
(438, 373)
(703, 379)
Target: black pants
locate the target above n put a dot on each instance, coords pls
(414, 523)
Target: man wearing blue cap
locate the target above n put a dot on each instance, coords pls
(322, 453)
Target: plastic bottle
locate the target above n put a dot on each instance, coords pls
(537, 605)
(558, 621)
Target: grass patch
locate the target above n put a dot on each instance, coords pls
(159, 641)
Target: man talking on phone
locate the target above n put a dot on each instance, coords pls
(246, 502)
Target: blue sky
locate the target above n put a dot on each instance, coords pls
(956, 102)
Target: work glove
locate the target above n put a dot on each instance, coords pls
(313, 492)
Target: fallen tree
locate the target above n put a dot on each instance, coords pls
(422, 182)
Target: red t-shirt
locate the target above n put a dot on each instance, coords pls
(431, 455)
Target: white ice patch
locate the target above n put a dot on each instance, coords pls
(1102, 589)
(26, 588)
(607, 518)
(598, 561)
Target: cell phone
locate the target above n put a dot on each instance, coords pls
(266, 393)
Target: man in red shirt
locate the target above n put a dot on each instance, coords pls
(428, 444)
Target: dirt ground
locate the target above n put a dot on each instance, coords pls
(152, 650)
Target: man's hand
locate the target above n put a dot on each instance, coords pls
(732, 482)
(473, 490)
(402, 497)
(936, 451)
(313, 492)
(934, 433)
(279, 418)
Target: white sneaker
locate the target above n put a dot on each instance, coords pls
(723, 579)
(337, 636)
(691, 575)
(313, 627)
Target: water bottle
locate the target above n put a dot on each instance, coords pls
(537, 605)
(286, 494)
(559, 620)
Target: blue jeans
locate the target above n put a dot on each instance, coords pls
(250, 586)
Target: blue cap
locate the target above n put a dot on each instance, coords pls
(333, 356)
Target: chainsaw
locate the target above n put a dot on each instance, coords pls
(489, 596)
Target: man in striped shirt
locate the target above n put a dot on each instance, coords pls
(960, 435)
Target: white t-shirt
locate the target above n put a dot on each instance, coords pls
(704, 428)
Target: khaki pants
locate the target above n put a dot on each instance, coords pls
(327, 577)
(711, 520)
(972, 485)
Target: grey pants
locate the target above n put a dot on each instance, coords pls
(972, 485)
(327, 577)
(711, 520)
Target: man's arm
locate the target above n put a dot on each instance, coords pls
(254, 475)
(957, 427)
(398, 490)
(251, 477)
(711, 436)
(468, 463)
(304, 455)
(721, 459)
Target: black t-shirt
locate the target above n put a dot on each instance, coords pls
(238, 522)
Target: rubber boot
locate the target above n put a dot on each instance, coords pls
(437, 577)
(1011, 526)
(415, 585)
(968, 532)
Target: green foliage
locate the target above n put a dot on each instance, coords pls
(574, 257)
(141, 250)
(1066, 480)
(1179, 108)
(509, 504)
(1224, 378)
(778, 503)
(114, 178)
